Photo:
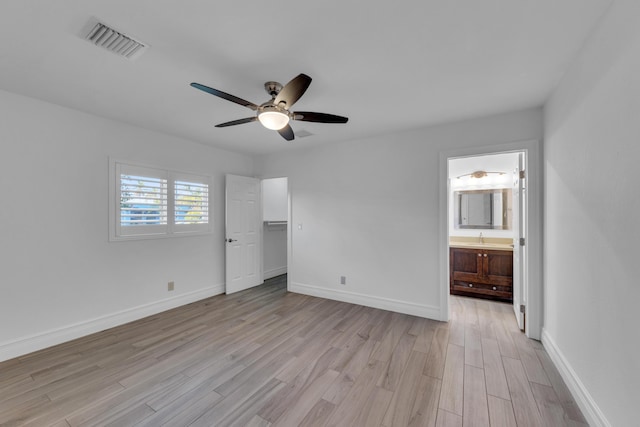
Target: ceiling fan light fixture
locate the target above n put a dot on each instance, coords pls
(273, 119)
(275, 114)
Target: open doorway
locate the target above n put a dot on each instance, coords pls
(275, 207)
(486, 227)
(525, 209)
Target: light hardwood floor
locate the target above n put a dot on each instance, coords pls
(267, 357)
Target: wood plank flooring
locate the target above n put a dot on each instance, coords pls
(266, 357)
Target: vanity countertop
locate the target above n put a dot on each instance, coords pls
(496, 243)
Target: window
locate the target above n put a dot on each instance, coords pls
(149, 202)
(141, 201)
(191, 203)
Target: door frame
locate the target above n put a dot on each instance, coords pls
(533, 167)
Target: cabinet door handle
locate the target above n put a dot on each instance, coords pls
(471, 285)
(494, 288)
(485, 255)
(479, 254)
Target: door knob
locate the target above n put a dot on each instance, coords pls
(231, 240)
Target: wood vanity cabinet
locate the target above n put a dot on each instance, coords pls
(481, 273)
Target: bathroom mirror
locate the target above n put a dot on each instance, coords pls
(482, 209)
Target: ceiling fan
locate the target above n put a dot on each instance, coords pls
(275, 114)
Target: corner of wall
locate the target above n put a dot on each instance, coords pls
(583, 398)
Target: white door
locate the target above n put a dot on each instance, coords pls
(243, 233)
(519, 265)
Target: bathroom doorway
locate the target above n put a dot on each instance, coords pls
(491, 230)
(485, 228)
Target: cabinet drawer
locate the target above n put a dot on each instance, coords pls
(502, 292)
(465, 277)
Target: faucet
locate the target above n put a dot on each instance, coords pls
(481, 238)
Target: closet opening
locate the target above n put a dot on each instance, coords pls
(275, 227)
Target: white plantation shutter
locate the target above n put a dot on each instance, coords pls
(142, 200)
(191, 203)
(151, 202)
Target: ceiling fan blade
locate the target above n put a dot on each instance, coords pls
(237, 122)
(225, 95)
(310, 116)
(293, 90)
(287, 133)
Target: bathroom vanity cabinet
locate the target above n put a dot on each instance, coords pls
(481, 273)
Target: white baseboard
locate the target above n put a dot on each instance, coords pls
(32, 343)
(429, 312)
(588, 406)
(275, 272)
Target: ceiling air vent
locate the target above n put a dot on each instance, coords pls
(303, 133)
(114, 41)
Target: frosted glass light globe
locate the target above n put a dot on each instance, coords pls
(274, 120)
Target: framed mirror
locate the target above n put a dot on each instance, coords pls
(483, 209)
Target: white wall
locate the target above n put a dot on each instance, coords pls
(61, 277)
(274, 199)
(369, 210)
(592, 290)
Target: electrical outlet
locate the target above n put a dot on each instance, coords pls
(343, 280)
(170, 286)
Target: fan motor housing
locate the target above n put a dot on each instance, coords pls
(273, 88)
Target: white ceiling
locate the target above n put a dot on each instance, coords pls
(388, 66)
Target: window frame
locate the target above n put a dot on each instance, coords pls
(117, 232)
